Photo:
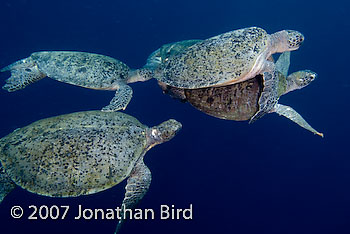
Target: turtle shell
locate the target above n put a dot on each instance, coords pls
(82, 69)
(220, 60)
(163, 53)
(74, 154)
(233, 102)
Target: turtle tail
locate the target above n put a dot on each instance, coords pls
(23, 73)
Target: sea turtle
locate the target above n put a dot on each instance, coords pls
(230, 58)
(83, 69)
(239, 101)
(81, 153)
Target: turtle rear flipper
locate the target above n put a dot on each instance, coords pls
(120, 100)
(137, 186)
(6, 184)
(23, 73)
(291, 114)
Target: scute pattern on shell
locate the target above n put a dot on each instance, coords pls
(233, 102)
(82, 69)
(216, 60)
(74, 154)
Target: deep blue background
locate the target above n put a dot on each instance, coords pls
(269, 177)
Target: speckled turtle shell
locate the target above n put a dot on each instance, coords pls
(73, 154)
(87, 70)
(221, 60)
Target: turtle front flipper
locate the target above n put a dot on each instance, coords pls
(291, 114)
(120, 100)
(6, 184)
(283, 63)
(269, 94)
(137, 186)
(23, 73)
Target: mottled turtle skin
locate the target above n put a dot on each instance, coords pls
(88, 70)
(81, 153)
(226, 59)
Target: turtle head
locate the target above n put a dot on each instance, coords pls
(286, 40)
(294, 39)
(174, 48)
(163, 132)
(142, 74)
(161, 55)
(154, 60)
(300, 79)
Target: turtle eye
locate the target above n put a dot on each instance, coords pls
(312, 75)
(305, 80)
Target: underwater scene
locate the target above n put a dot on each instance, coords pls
(174, 116)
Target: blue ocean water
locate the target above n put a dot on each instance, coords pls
(268, 177)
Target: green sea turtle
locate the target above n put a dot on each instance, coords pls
(239, 101)
(81, 153)
(83, 69)
(230, 58)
